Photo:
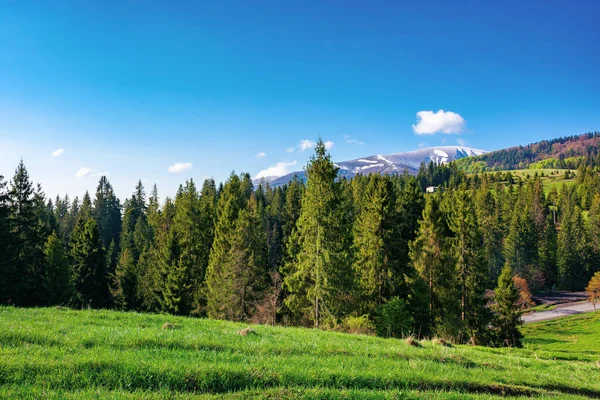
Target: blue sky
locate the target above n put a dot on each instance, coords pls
(131, 88)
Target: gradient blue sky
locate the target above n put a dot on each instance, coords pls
(129, 88)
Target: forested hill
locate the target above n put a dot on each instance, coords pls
(371, 253)
(564, 152)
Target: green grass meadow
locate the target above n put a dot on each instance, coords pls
(62, 353)
(551, 179)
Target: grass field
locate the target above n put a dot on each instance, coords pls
(572, 338)
(62, 353)
(552, 178)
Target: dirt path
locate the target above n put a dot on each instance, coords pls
(561, 310)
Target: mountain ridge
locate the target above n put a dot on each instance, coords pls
(394, 163)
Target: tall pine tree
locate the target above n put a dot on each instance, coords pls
(318, 280)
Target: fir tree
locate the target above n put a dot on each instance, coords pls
(507, 319)
(107, 213)
(469, 267)
(28, 239)
(193, 252)
(488, 215)
(87, 254)
(59, 273)
(245, 269)
(8, 276)
(232, 199)
(376, 242)
(317, 282)
(431, 259)
(136, 237)
(175, 289)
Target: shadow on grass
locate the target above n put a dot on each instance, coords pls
(113, 376)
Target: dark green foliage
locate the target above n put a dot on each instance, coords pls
(232, 200)
(243, 274)
(507, 318)
(393, 319)
(136, 238)
(59, 274)
(89, 267)
(469, 268)
(432, 261)
(8, 278)
(27, 212)
(318, 278)
(377, 239)
(175, 288)
(107, 213)
(323, 253)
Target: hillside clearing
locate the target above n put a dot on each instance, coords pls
(63, 353)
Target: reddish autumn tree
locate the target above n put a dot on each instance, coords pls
(593, 289)
(525, 300)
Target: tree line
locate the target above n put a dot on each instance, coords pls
(563, 152)
(372, 253)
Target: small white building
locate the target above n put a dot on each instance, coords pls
(431, 189)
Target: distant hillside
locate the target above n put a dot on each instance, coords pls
(395, 163)
(565, 152)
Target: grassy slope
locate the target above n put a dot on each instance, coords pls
(61, 353)
(572, 338)
(553, 178)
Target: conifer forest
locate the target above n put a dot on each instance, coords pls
(374, 252)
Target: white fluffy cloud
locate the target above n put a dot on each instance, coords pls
(306, 145)
(309, 145)
(261, 154)
(429, 122)
(58, 152)
(84, 171)
(279, 169)
(179, 167)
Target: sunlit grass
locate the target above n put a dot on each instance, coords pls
(62, 353)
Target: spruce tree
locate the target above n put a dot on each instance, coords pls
(376, 241)
(8, 276)
(175, 289)
(87, 254)
(469, 267)
(318, 279)
(107, 213)
(232, 198)
(86, 210)
(246, 268)
(507, 318)
(488, 215)
(193, 252)
(548, 253)
(136, 237)
(27, 231)
(521, 245)
(431, 258)
(59, 272)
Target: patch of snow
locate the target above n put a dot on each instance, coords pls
(382, 158)
(369, 166)
(440, 153)
(367, 161)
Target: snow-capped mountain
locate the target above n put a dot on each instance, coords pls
(391, 163)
